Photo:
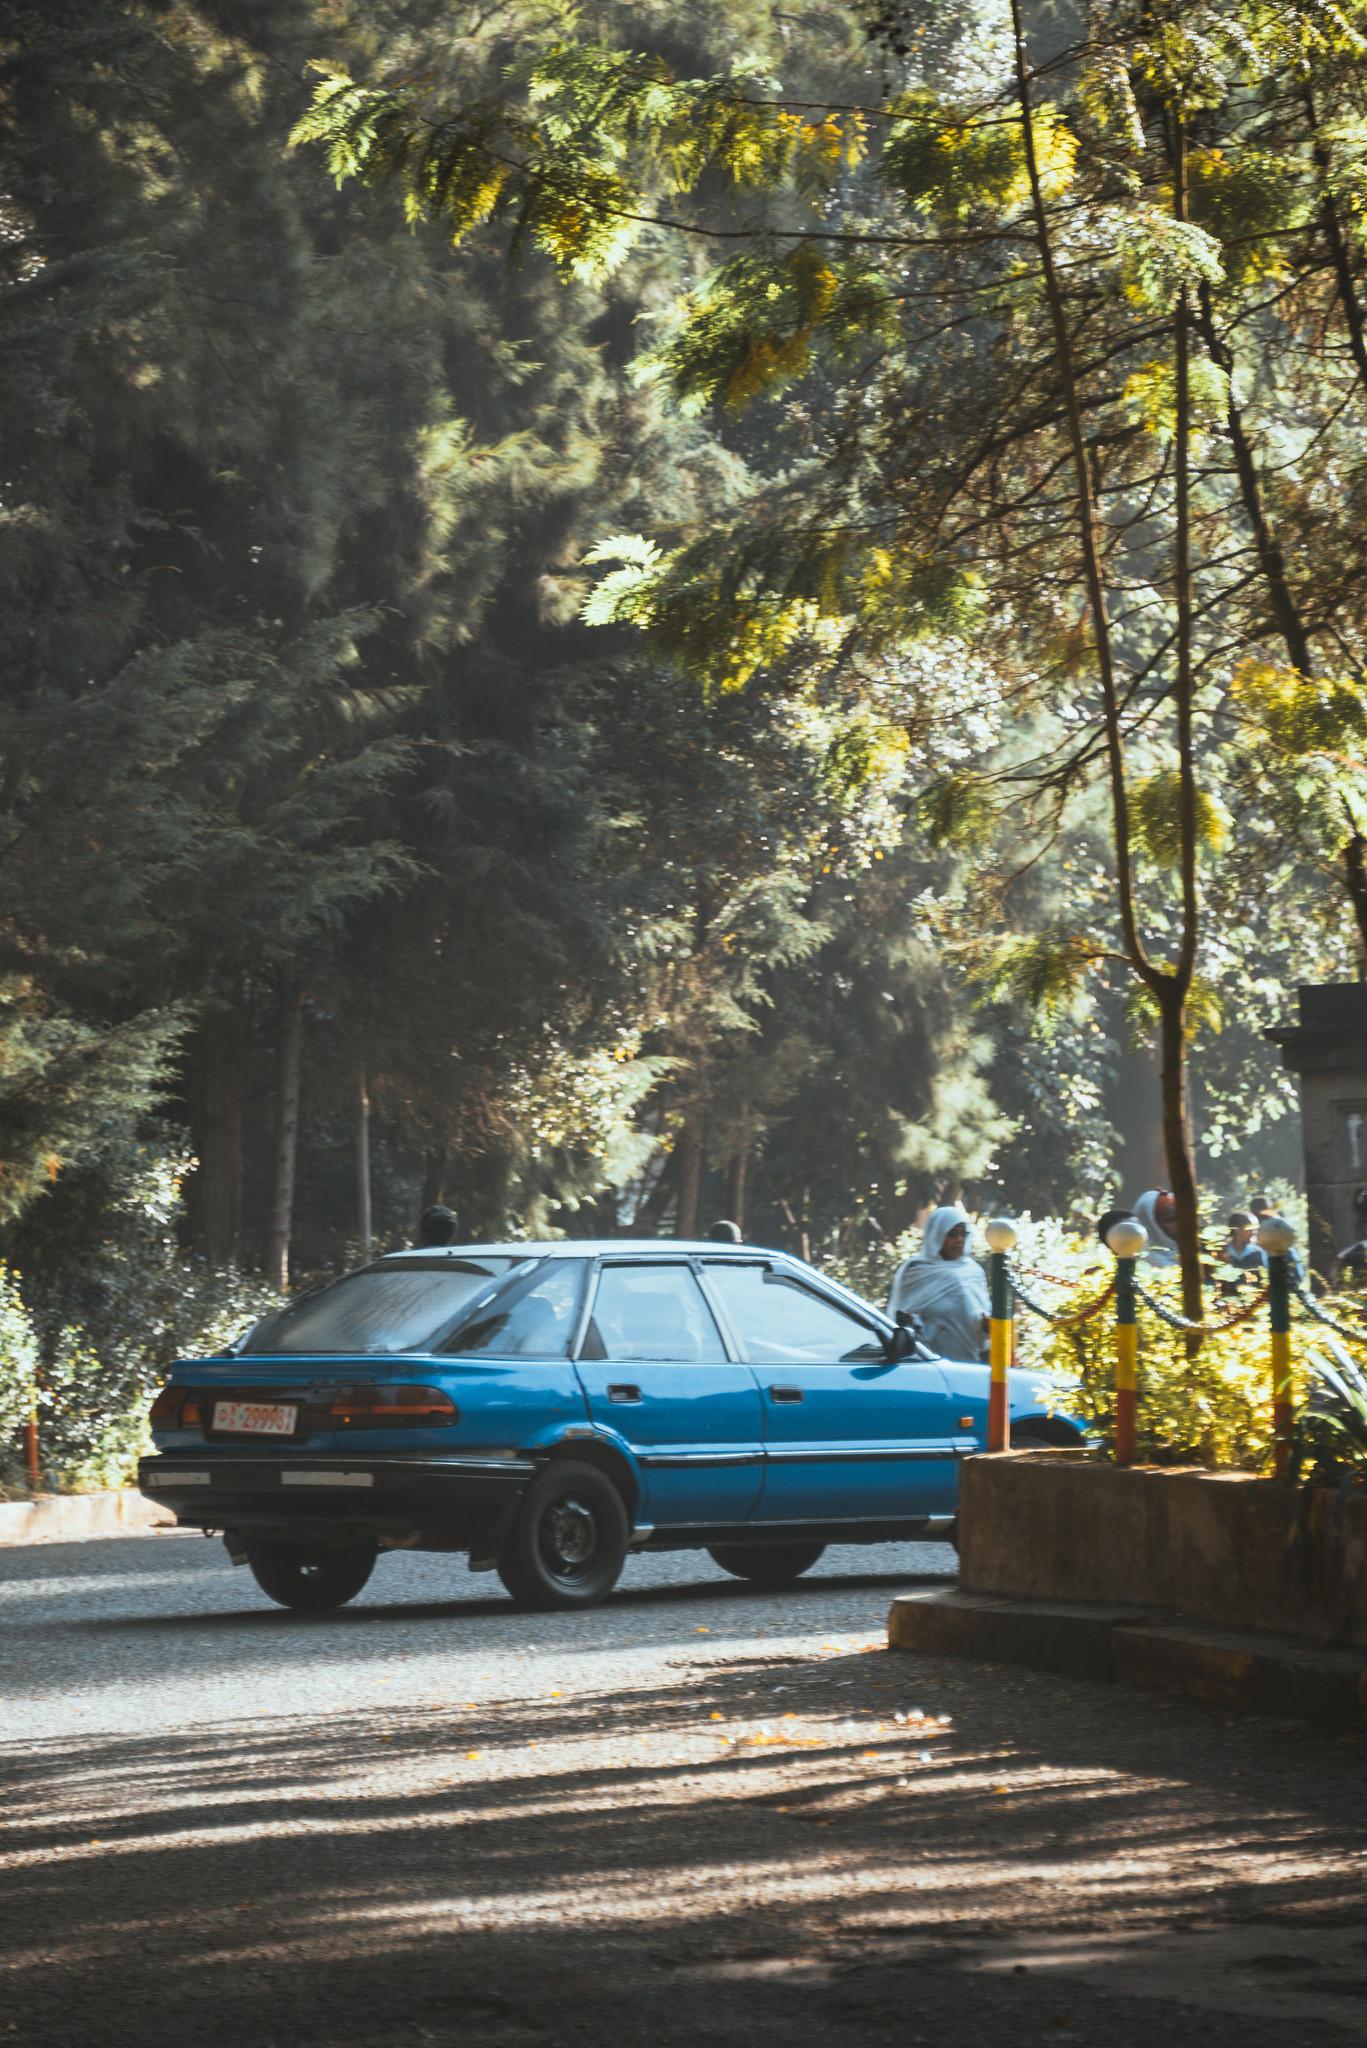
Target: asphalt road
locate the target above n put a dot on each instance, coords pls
(696, 1815)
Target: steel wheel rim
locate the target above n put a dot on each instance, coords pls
(569, 1539)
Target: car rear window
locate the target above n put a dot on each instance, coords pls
(406, 1307)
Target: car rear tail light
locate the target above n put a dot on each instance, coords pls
(386, 1407)
(174, 1408)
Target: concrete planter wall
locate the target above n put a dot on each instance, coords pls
(1215, 1546)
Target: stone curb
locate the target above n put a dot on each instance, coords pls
(1259, 1674)
(79, 1517)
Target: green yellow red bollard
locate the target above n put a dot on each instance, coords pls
(1276, 1237)
(1127, 1240)
(1001, 1237)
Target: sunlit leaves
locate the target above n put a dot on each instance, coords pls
(622, 596)
(1039, 973)
(761, 317)
(1304, 714)
(1107, 97)
(1156, 806)
(1157, 255)
(957, 810)
(574, 149)
(1247, 199)
(1150, 396)
(953, 167)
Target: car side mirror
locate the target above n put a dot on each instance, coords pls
(904, 1340)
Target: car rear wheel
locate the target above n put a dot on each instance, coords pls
(569, 1541)
(776, 1564)
(310, 1580)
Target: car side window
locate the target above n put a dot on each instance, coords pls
(644, 1313)
(780, 1322)
(537, 1324)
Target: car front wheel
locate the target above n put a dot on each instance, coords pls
(311, 1580)
(569, 1542)
(776, 1564)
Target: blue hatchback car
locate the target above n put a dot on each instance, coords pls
(547, 1408)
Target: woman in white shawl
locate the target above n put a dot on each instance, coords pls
(945, 1288)
(1157, 1211)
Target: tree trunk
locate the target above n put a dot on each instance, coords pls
(1177, 1147)
(213, 1194)
(288, 1064)
(1355, 879)
(646, 1221)
(364, 1230)
(1271, 561)
(1334, 236)
(738, 1184)
(690, 1175)
(1177, 984)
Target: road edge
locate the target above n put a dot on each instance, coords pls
(1256, 1673)
(79, 1517)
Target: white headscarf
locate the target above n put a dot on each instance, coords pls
(949, 1296)
(1163, 1249)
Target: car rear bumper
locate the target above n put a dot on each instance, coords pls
(449, 1502)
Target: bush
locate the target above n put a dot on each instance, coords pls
(1213, 1408)
(107, 1301)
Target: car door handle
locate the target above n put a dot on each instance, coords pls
(786, 1393)
(624, 1394)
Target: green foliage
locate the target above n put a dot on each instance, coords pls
(1211, 1409)
(18, 1364)
(1331, 1431)
(549, 154)
(952, 167)
(1157, 806)
(756, 327)
(102, 1303)
(1039, 974)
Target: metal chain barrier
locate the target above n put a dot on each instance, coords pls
(1053, 1315)
(1357, 1334)
(1175, 1321)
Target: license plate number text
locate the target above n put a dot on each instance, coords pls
(256, 1418)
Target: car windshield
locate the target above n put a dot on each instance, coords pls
(403, 1307)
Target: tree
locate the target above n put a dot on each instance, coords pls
(1035, 295)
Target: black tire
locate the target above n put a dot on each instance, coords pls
(775, 1564)
(1027, 1439)
(569, 1541)
(311, 1580)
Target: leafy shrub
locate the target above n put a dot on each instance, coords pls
(1213, 1408)
(106, 1302)
(18, 1371)
(1331, 1435)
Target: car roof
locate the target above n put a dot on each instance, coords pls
(584, 1247)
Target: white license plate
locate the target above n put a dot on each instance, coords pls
(256, 1418)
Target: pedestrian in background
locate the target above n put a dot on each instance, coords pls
(725, 1232)
(945, 1288)
(1157, 1211)
(437, 1226)
(1242, 1249)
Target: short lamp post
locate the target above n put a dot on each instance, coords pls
(1127, 1240)
(1276, 1237)
(1001, 1237)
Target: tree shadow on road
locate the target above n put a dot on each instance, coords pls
(753, 1851)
